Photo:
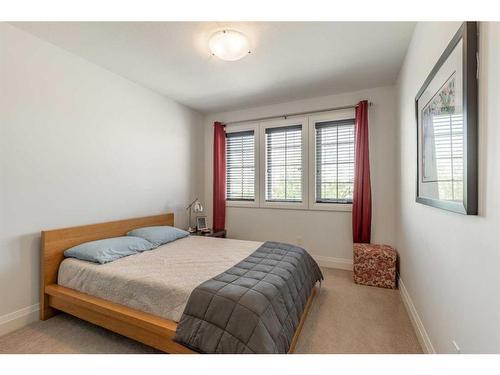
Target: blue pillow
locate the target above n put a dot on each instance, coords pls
(109, 249)
(159, 235)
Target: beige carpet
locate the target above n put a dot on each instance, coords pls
(345, 318)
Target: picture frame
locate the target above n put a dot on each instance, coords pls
(447, 127)
(201, 223)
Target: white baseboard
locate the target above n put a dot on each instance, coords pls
(418, 326)
(18, 319)
(331, 262)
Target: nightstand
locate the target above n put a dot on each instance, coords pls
(221, 233)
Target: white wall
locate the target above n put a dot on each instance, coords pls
(326, 235)
(450, 262)
(79, 145)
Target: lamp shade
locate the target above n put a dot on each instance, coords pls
(197, 207)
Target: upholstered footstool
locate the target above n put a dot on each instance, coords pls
(374, 265)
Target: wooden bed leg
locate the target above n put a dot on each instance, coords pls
(46, 311)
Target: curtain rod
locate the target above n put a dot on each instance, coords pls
(285, 116)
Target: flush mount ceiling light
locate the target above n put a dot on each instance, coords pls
(229, 45)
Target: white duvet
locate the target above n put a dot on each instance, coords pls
(157, 281)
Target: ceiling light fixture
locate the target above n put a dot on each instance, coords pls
(229, 45)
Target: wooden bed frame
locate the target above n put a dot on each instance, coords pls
(149, 329)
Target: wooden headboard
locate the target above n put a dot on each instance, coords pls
(54, 242)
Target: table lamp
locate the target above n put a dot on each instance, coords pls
(195, 206)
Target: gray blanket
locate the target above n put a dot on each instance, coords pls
(253, 307)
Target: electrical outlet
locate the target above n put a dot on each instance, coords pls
(456, 347)
(299, 240)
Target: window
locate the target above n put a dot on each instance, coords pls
(300, 163)
(334, 161)
(240, 166)
(283, 178)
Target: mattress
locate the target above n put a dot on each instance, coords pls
(158, 281)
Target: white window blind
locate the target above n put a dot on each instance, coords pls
(284, 164)
(334, 161)
(240, 166)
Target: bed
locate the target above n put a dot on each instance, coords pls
(142, 296)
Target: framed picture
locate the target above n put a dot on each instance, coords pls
(201, 223)
(446, 110)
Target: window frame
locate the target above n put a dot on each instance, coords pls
(308, 124)
(303, 122)
(345, 114)
(241, 128)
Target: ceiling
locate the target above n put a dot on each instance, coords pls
(289, 60)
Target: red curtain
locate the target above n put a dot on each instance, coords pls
(362, 196)
(219, 219)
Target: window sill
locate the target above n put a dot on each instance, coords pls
(342, 207)
(235, 203)
(284, 205)
(332, 207)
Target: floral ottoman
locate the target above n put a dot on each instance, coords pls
(374, 265)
